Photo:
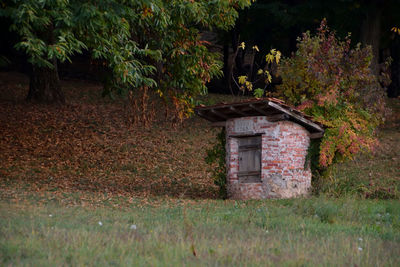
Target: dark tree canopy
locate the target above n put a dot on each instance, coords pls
(277, 24)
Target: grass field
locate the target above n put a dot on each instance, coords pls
(80, 186)
(304, 232)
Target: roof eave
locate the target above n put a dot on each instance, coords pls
(271, 108)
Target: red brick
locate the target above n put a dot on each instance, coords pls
(283, 154)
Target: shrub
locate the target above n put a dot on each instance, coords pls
(216, 158)
(333, 82)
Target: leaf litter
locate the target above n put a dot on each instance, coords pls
(86, 151)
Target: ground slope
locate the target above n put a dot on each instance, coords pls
(88, 150)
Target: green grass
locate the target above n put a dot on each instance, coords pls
(303, 232)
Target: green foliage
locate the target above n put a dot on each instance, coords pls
(45, 30)
(186, 64)
(258, 92)
(216, 157)
(148, 43)
(332, 82)
(55, 30)
(264, 75)
(312, 157)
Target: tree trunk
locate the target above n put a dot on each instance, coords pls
(44, 86)
(394, 87)
(227, 67)
(371, 32)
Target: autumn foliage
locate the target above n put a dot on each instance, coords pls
(333, 82)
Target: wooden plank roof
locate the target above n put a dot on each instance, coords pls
(274, 109)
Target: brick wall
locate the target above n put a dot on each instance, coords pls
(284, 149)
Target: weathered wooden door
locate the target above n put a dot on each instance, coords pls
(250, 159)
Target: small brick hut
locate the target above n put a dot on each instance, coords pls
(266, 145)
